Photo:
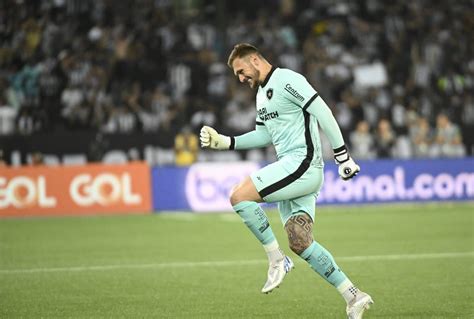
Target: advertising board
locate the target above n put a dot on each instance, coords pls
(206, 186)
(85, 189)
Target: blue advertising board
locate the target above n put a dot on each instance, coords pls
(168, 190)
(206, 186)
(401, 181)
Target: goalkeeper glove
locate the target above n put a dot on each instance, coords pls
(347, 167)
(211, 139)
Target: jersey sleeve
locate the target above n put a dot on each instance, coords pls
(296, 89)
(321, 111)
(299, 91)
(260, 137)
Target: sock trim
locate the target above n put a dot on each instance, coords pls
(272, 246)
(344, 285)
(242, 205)
(308, 251)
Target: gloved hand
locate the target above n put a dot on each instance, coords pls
(211, 139)
(347, 167)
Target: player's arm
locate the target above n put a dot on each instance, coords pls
(320, 110)
(253, 139)
(300, 92)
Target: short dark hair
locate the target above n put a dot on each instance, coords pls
(241, 50)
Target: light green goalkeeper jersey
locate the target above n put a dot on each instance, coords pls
(288, 112)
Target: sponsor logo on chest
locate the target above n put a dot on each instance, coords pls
(264, 115)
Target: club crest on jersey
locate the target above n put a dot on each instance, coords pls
(269, 93)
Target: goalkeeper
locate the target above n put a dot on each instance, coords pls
(288, 113)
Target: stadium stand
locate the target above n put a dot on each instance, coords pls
(399, 76)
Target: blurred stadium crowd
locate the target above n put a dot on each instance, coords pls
(398, 75)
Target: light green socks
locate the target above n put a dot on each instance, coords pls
(256, 220)
(323, 263)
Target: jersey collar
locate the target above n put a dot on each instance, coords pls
(267, 78)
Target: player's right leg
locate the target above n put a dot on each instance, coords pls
(244, 199)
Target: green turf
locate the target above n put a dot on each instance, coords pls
(40, 278)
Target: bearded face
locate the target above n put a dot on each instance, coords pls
(246, 72)
(253, 78)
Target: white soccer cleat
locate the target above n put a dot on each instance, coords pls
(276, 273)
(361, 302)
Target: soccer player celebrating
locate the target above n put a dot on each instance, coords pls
(288, 113)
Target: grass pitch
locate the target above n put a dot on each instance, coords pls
(415, 261)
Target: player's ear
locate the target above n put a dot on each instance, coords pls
(253, 58)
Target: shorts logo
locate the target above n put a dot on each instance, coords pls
(269, 93)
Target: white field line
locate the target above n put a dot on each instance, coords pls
(228, 263)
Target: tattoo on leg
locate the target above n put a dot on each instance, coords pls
(300, 232)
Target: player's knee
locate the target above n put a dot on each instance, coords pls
(300, 233)
(235, 196)
(244, 191)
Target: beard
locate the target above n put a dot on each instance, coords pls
(254, 78)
